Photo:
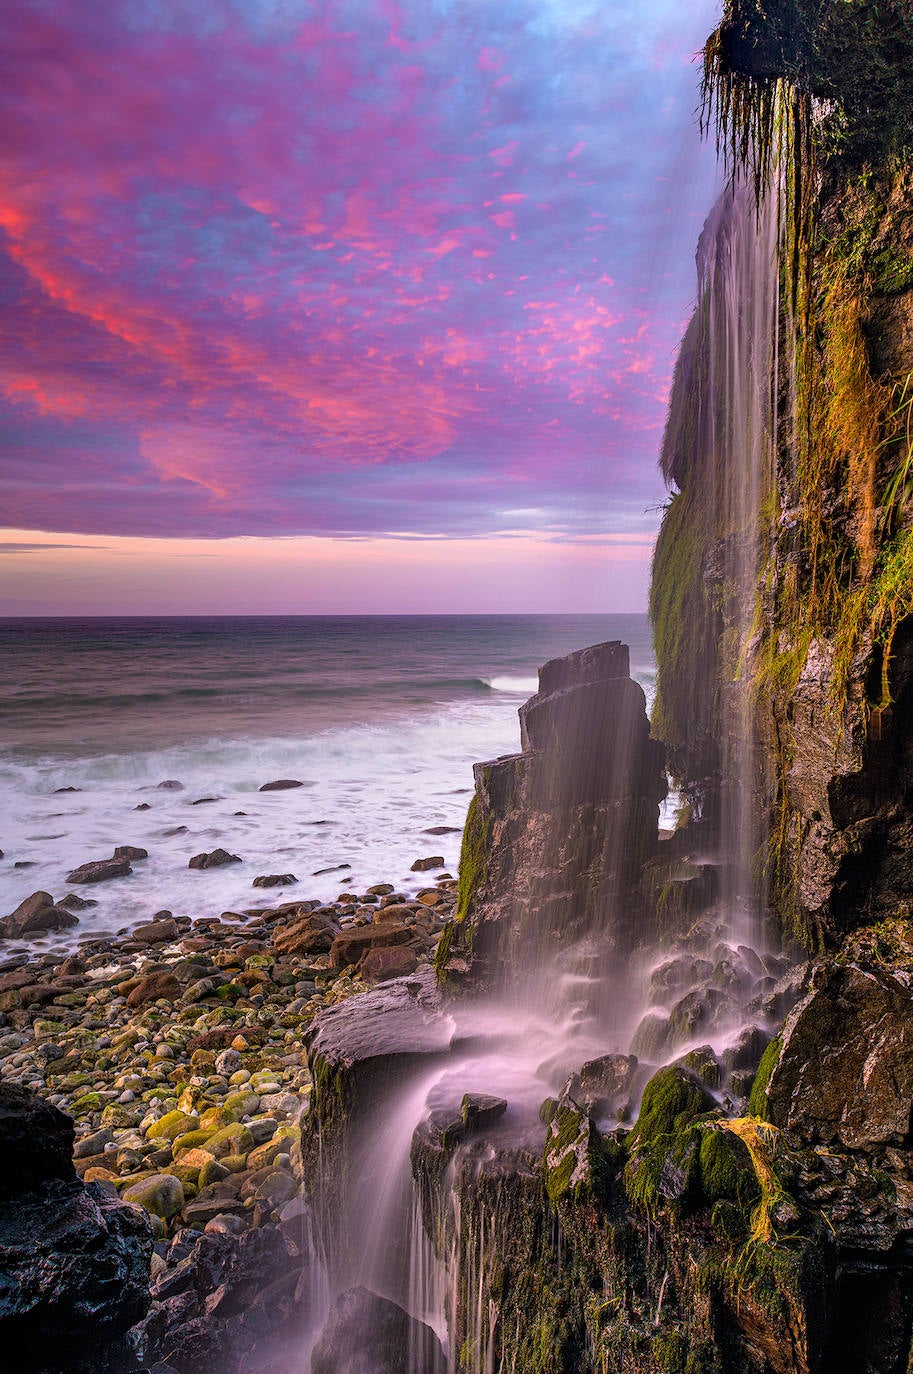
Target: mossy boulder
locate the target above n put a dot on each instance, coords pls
(664, 1166)
(172, 1125)
(161, 1194)
(234, 1139)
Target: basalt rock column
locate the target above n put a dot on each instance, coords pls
(557, 835)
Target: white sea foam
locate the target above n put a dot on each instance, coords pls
(369, 794)
(522, 686)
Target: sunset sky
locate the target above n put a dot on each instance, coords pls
(343, 306)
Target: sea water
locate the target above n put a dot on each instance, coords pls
(380, 718)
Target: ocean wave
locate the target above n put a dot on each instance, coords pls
(520, 685)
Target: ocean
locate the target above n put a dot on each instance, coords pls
(379, 717)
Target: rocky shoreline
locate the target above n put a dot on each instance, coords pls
(177, 1051)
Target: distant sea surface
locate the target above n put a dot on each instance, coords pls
(380, 717)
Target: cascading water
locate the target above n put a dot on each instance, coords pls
(738, 286)
(587, 992)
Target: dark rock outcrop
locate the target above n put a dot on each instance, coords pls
(74, 1262)
(556, 836)
(844, 1072)
(367, 1334)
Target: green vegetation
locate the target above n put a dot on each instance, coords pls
(757, 1102)
(473, 862)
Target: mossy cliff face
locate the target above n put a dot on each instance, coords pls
(818, 95)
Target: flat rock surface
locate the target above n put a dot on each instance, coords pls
(403, 1017)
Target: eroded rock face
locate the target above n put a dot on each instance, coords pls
(557, 835)
(845, 1069)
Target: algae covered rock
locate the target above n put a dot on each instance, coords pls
(162, 1195)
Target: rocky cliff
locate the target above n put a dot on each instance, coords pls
(758, 1216)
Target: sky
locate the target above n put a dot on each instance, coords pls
(358, 305)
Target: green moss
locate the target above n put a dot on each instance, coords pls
(684, 634)
(473, 864)
(726, 1170)
(671, 1102)
(670, 1351)
(757, 1101)
(663, 1168)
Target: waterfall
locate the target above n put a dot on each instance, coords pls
(585, 990)
(738, 287)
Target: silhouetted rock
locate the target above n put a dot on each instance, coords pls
(367, 1334)
(281, 785)
(74, 1262)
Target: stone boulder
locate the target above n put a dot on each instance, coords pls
(274, 880)
(74, 1262)
(349, 947)
(309, 934)
(37, 913)
(281, 785)
(100, 870)
(219, 858)
(845, 1066)
(367, 1334)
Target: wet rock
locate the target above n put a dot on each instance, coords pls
(442, 830)
(157, 932)
(367, 1334)
(36, 1140)
(130, 851)
(274, 880)
(423, 865)
(170, 785)
(380, 965)
(35, 914)
(281, 785)
(845, 1067)
(478, 1111)
(100, 871)
(73, 902)
(155, 985)
(74, 1262)
(605, 1083)
(218, 858)
(745, 1054)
